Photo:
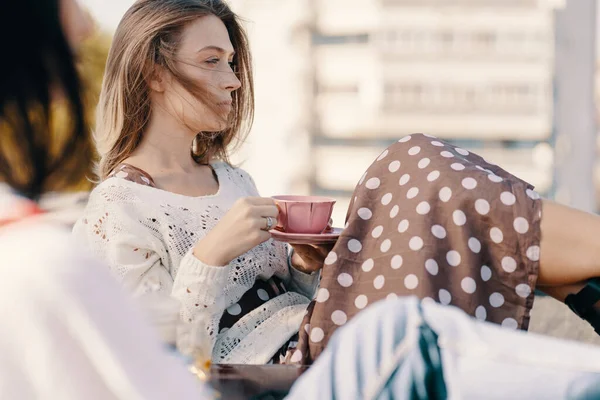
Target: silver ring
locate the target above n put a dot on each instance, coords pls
(269, 223)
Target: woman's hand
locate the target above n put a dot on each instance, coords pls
(309, 258)
(242, 228)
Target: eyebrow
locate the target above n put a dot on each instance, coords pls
(216, 48)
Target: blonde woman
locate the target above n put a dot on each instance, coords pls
(173, 216)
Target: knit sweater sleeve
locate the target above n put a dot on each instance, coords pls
(116, 232)
(296, 281)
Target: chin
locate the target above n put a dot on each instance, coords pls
(215, 123)
(214, 128)
(220, 125)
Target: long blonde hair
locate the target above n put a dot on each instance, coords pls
(147, 36)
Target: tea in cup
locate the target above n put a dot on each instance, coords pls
(304, 214)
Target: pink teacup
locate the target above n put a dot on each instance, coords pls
(303, 214)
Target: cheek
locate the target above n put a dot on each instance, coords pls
(194, 113)
(180, 101)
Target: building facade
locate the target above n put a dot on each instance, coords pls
(358, 74)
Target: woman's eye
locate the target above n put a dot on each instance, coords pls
(216, 61)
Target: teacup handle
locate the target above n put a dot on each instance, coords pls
(329, 226)
(279, 225)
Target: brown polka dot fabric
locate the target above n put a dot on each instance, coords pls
(132, 174)
(436, 221)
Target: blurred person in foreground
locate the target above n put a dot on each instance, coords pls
(68, 332)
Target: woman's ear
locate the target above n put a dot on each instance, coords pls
(157, 81)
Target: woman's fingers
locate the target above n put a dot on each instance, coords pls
(260, 201)
(308, 253)
(266, 211)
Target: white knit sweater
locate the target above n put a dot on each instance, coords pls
(146, 236)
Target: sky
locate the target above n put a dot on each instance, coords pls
(108, 13)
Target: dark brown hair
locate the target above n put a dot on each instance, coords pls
(38, 84)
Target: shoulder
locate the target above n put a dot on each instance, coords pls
(117, 192)
(132, 174)
(114, 201)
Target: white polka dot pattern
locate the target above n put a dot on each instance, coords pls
(403, 226)
(453, 258)
(411, 281)
(385, 245)
(414, 150)
(442, 224)
(339, 317)
(445, 297)
(331, 258)
(322, 295)
(397, 261)
(412, 193)
(345, 279)
(365, 213)
(373, 183)
(432, 266)
(361, 301)
(438, 231)
(433, 176)
(386, 199)
(316, 335)
(377, 231)
(383, 155)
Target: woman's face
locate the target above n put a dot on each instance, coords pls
(204, 55)
(76, 22)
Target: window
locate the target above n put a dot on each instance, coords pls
(492, 98)
(319, 39)
(481, 43)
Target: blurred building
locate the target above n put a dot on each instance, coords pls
(342, 79)
(276, 152)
